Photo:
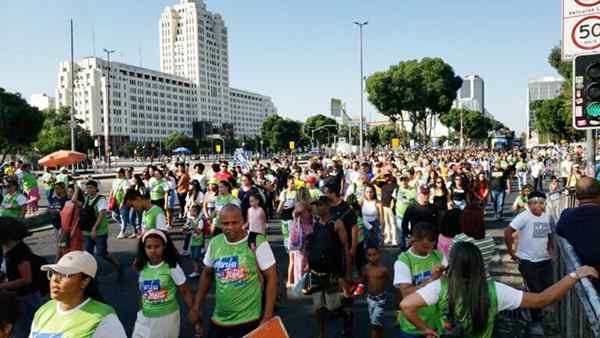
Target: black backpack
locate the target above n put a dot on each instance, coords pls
(87, 215)
(325, 249)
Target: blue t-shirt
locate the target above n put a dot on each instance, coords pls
(579, 226)
(56, 204)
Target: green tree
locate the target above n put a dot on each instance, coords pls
(321, 135)
(386, 134)
(553, 119)
(178, 139)
(20, 123)
(476, 126)
(277, 132)
(421, 89)
(56, 133)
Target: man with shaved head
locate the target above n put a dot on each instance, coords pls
(237, 261)
(581, 225)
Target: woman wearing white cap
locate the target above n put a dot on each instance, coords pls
(76, 309)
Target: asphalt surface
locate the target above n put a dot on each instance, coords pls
(297, 313)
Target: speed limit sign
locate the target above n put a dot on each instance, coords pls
(580, 28)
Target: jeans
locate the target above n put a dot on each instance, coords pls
(538, 183)
(538, 277)
(186, 241)
(521, 179)
(498, 202)
(135, 219)
(100, 244)
(400, 235)
(125, 220)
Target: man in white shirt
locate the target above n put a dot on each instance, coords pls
(534, 248)
(565, 170)
(537, 174)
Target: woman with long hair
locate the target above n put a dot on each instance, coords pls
(481, 190)
(76, 308)
(440, 196)
(223, 198)
(372, 211)
(458, 193)
(469, 301)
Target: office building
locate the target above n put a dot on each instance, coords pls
(193, 44)
(250, 110)
(471, 96)
(145, 105)
(545, 88)
(42, 101)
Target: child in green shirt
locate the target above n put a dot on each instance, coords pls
(195, 227)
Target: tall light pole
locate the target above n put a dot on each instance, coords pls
(107, 109)
(72, 122)
(462, 139)
(362, 78)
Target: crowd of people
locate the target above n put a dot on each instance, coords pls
(335, 214)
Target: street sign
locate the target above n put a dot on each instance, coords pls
(586, 92)
(395, 143)
(218, 148)
(292, 145)
(580, 28)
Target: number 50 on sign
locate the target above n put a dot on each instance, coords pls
(580, 28)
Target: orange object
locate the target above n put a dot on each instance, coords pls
(62, 158)
(272, 329)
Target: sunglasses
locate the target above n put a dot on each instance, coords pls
(59, 276)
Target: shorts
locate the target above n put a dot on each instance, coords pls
(157, 327)
(330, 301)
(376, 306)
(197, 253)
(100, 244)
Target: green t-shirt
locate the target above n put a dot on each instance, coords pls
(149, 217)
(220, 202)
(157, 188)
(465, 323)
(10, 205)
(238, 291)
(404, 197)
(420, 270)
(29, 182)
(158, 291)
(197, 228)
(80, 323)
(102, 228)
(119, 190)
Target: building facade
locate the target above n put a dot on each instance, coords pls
(145, 105)
(42, 101)
(545, 88)
(471, 96)
(250, 110)
(194, 45)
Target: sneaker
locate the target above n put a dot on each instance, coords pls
(133, 235)
(121, 235)
(185, 253)
(194, 274)
(359, 290)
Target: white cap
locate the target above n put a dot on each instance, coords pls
(74, 262)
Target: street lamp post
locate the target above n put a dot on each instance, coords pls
(107, 110)
(362, 77)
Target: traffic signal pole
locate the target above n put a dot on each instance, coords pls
(590, 147)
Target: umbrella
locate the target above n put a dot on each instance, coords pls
(61, 158)
(182, 150)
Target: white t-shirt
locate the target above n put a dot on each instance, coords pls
(402, 273)
(508, 298)
(19, 198)
(177, 273)
(109, 327)
(565, 168)
(264, 255)
(102, 204)
(533, 236)
(120, 183)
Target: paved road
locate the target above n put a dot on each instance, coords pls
(296, 313)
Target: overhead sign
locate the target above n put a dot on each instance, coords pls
(580, 28)
(395, 143)
(336, 107)
(292, 145)
(218, 148)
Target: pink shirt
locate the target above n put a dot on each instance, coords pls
(256, 218)
(444, 244)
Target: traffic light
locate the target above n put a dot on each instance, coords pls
(586, 91)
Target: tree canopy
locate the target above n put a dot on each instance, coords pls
(56, 133)
(320, 121)
(476, 126)
(277, 132)
(420, 89)
(179, 139)
(20, 123)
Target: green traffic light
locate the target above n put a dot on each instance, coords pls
(592, 110)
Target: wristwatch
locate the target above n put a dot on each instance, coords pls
(574, 275)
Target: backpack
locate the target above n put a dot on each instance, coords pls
(325, 249)
(295, 235)
(39, 278)
(87, 215)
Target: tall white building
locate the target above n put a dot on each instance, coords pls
(193, 44)
(250, 110)
(471, 95)
(42, 101)
(545, 88)
(145, 105)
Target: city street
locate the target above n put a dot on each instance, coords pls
(297, 313)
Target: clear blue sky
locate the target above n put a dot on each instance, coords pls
(301, 53)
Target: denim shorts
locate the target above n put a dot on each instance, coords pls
(100, 244)
(376, 305)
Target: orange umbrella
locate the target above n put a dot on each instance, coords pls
(61, 158)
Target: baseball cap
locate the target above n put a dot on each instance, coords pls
(424, 189)
(74, 262)
(311, 180)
